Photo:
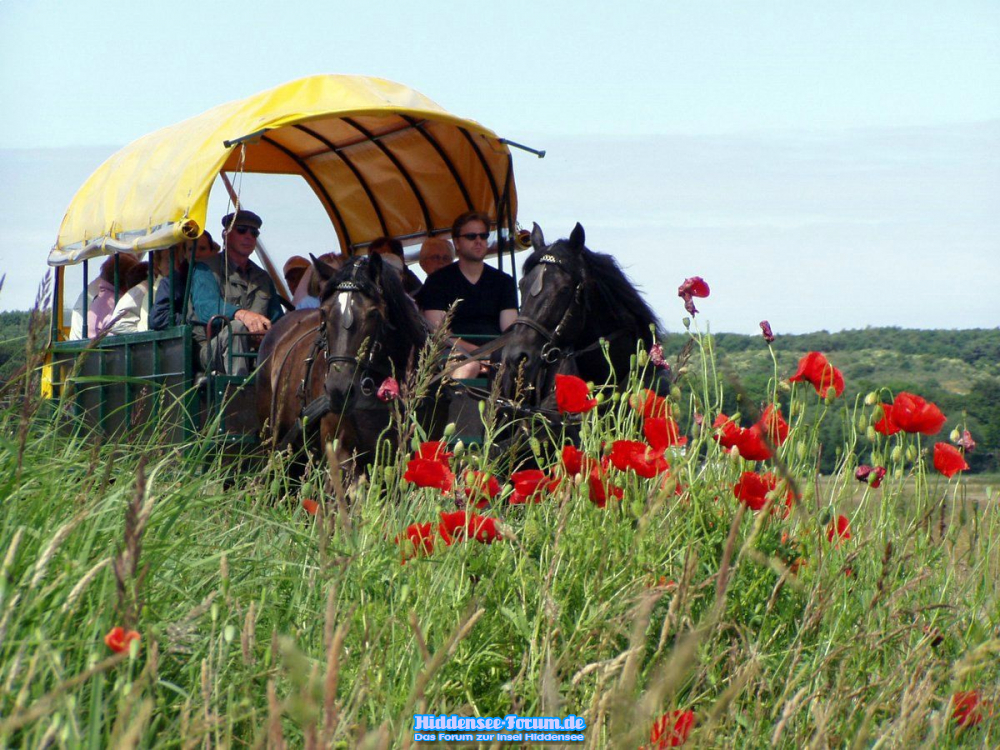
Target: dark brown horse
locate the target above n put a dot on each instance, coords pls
(321, 369)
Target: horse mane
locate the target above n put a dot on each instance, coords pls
(610, 293)
(401, 311)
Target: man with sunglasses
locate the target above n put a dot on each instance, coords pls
(231, 285)
(486, 297)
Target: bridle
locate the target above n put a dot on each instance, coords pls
(367, 366)
(555, 347)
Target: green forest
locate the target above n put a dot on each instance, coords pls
(958, 370)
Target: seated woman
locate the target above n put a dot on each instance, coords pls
(105, 281)
(168, 300)
(99, 316)
(131, 314)
(391, 250)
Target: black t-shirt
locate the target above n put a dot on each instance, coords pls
(479, 310)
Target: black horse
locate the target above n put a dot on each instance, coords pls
(571, 298)
(322, 369)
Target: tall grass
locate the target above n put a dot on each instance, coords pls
(264, 625)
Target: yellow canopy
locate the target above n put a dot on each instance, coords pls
(383, 159)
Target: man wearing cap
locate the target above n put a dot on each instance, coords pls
(233, 286)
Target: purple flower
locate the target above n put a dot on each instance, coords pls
(656, 356)
(765, 328)
(966, 441)
(862, 472)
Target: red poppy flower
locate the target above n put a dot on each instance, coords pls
(967, 708)
(388, 391)
(727, 432)
(692, 287)
(425, 472)
(480, 488)
(913, 414)
(772, 424)
(816, 370)
(639, 457)
(118, 639)
(752, 489)
(862, 472)
(662, 433)
(434, 450)
(530, 485)
(573, 395)
(840, 529)
(878, 473)
(601, 487)
(750, 443)
(459, 525)
(418, 539)
(885, 425)
(573, 460)
(648, 404)
(310, 506)
(948, 459)
(672, 729)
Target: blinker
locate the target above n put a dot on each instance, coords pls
(536, 288)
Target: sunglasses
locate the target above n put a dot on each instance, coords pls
(254, 232)
(470, 236)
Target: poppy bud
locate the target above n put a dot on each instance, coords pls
(686, 322)
(449, 429)
(897, 474)
(911, 453)
(831, 395)
(536, 446)
(388, 473)
(826, 517)
(800, 450)
(870, 433)
(458, 448)
(615, 397)
(955, 435)
(808, 492)
(784, 386)
(643, 359)
(862, 423)
(632, 362)
(482, 408)
(871, 399)
(682, 370)
(795, 408)
(675, 410)
(675, 394)
(415, 441)
(734, 454)
(599, 398)
(897, 454)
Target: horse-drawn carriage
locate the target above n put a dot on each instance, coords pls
(383, 161)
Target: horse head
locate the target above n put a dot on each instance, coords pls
(553, 313)
(353, 329)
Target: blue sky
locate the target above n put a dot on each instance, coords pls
(795, 151)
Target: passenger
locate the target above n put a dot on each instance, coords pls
(487, 297)
(102, 306)
(293, 270)
(131, 314)
(168, 303)
(233, 286)
(436, 253)
(391, 250)
(308, 291)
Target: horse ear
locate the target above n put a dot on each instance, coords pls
(324, 269)
(537, 238)
(576, 237)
